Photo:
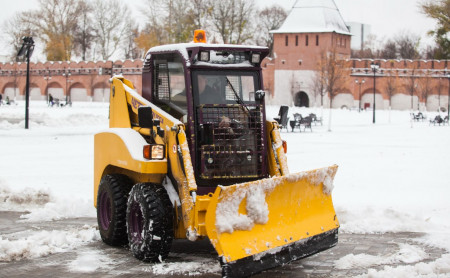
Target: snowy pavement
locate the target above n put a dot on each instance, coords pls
(390, 193)
(354, 255)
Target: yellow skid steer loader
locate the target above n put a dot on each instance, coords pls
(193, 156)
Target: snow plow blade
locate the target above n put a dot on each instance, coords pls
(262, 224)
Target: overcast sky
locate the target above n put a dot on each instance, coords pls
(386, 17)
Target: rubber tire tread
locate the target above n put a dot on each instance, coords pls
(156, 207)
(118, 188)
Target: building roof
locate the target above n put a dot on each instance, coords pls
(314, 16)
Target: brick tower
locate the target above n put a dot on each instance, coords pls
(312, 26)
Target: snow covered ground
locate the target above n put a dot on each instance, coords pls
(393, 176)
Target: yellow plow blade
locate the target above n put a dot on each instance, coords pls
(262, 224)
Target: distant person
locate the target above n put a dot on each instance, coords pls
(7, 100)
(208, 94)
(212, 95)
(50, 100)
(1, 99)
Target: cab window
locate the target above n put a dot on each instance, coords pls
(169, 89)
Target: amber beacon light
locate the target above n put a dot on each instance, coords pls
(200, 36)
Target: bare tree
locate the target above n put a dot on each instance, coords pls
(15, 29)
(153, 32)
(335, 73)
(231, 19)
(269, 19)
(368, 50)
(146, 39)
(389, 50)
(407, 45)
(55, 23)
(200, 13)
(84, 34)
(318, 82)
(173, 21)
(439, 88)
(110, 25)
(181, 22)
(131, 49)
(411, 84)
(425, 86)
(391, 86)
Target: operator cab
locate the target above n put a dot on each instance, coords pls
(216, 91)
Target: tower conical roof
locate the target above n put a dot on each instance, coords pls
(314, 16)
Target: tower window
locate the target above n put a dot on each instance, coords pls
(317, 39)
(296, 40)
(306, 41)
(287, 40)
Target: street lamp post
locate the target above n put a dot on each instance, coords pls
(360, 84)
(27, 50)
(448, 99)
(375, 67)
(47, 78)
(67, 74)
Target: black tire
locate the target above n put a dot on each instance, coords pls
(112, 200)
(149, 222)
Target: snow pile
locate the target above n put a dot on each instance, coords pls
(42, 206)
(382, 220)
(186, 268)
(438, 268)
(60, 209)
(41, 116)
(91, 261)
(23, 199)
(228, 217)
(316, 177)
(46, 242)
(407, 254)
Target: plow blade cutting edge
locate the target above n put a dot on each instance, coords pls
(262, 224)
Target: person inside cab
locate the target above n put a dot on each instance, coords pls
(209, 91)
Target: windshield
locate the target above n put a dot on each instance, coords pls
(213, 87)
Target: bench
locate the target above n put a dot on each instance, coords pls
(439, 120)
(296, 122)
(283, 118)
(306, 123)
(418, 117)
(315, 119)
(300, 121)
(59, 103)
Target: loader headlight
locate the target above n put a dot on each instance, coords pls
(204, 56)
(256, 58)
(284, 146)
(154, 151)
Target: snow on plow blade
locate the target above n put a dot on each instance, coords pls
(262, 224)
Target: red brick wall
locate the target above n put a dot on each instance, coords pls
(84, 75)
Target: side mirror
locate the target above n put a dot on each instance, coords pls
(259, 95)
(145, 117)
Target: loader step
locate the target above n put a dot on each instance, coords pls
(254, 264)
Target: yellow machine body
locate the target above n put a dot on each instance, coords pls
(253, 225)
